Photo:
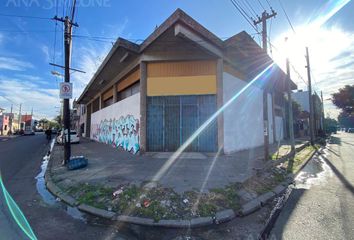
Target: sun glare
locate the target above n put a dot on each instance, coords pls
(324, 43)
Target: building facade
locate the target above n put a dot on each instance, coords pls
(153, 97)
(302, 98)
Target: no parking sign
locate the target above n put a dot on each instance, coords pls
(66, 90)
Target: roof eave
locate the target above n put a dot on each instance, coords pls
(121, 42)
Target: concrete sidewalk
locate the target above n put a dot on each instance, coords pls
(192, 171)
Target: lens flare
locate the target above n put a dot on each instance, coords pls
(328, 10)
(16, 213)
(179, 151)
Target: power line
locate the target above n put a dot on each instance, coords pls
(8, 99)
(247, 6)
(269, 4)
(23, 16)
(241, 11)
(261, 4)
(250, 7)
(25, 31)
(286, 15)
(270, 32)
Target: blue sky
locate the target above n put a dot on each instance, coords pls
(27, 45)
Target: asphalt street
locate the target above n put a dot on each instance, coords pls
(20, 163)
(321, 206)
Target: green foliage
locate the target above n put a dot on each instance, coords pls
(93, 195)
(228, 196)
(344, 99)
(206, 209)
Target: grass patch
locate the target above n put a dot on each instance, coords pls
(206, 209)
(227, 197)
(294, 164)
(93, 195)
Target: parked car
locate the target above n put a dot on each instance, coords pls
(74, 137)
(28, 132)
(351, 130)
(54, 131)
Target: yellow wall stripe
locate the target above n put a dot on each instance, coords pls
(183, 68)
(183, 85)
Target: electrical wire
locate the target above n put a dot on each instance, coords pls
(261, 4)
(25, 31)
(270, 34)
(250, 7)
(269, 4)
(23, 16)
(55, 41)
(286, 15)
(241, 11)
(253, 15)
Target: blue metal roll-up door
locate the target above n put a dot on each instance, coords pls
(172, 120)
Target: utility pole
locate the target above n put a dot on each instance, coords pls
(11, 119)
(68, 23)
(322, 114)
(263, 21)
(19, 118)
(290, 108)
(310, 96)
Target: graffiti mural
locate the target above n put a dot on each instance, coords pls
(122, 132)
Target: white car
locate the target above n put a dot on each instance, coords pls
(74, 137)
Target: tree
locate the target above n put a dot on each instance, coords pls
(58, 119)
(330, 125)
(43, 123)
(344, 99)
(346, 119)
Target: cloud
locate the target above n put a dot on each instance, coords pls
(349, 64)
(9, 63)
(45, 51)
(341, 55)
(89, 55)
(30, 94)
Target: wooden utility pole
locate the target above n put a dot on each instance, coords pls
(68, 23)
(263, 21)
(322, 114)
(290, 108)
(310, 96)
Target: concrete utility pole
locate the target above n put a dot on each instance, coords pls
(19, 118)
(263, 20)
(290, 108)
(11, 119)
(68, 23)
(322, 114)
(310, 96)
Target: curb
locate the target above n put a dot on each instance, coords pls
(305, 162)
(96, 211)
(258, 202)
(285, 191)
(220, 217)
(286, 157)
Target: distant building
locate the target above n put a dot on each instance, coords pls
(302, 98)
(75, 117)
(4, 124)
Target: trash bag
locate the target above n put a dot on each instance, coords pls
(77, 163)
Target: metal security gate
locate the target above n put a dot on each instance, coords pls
(172, 120)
